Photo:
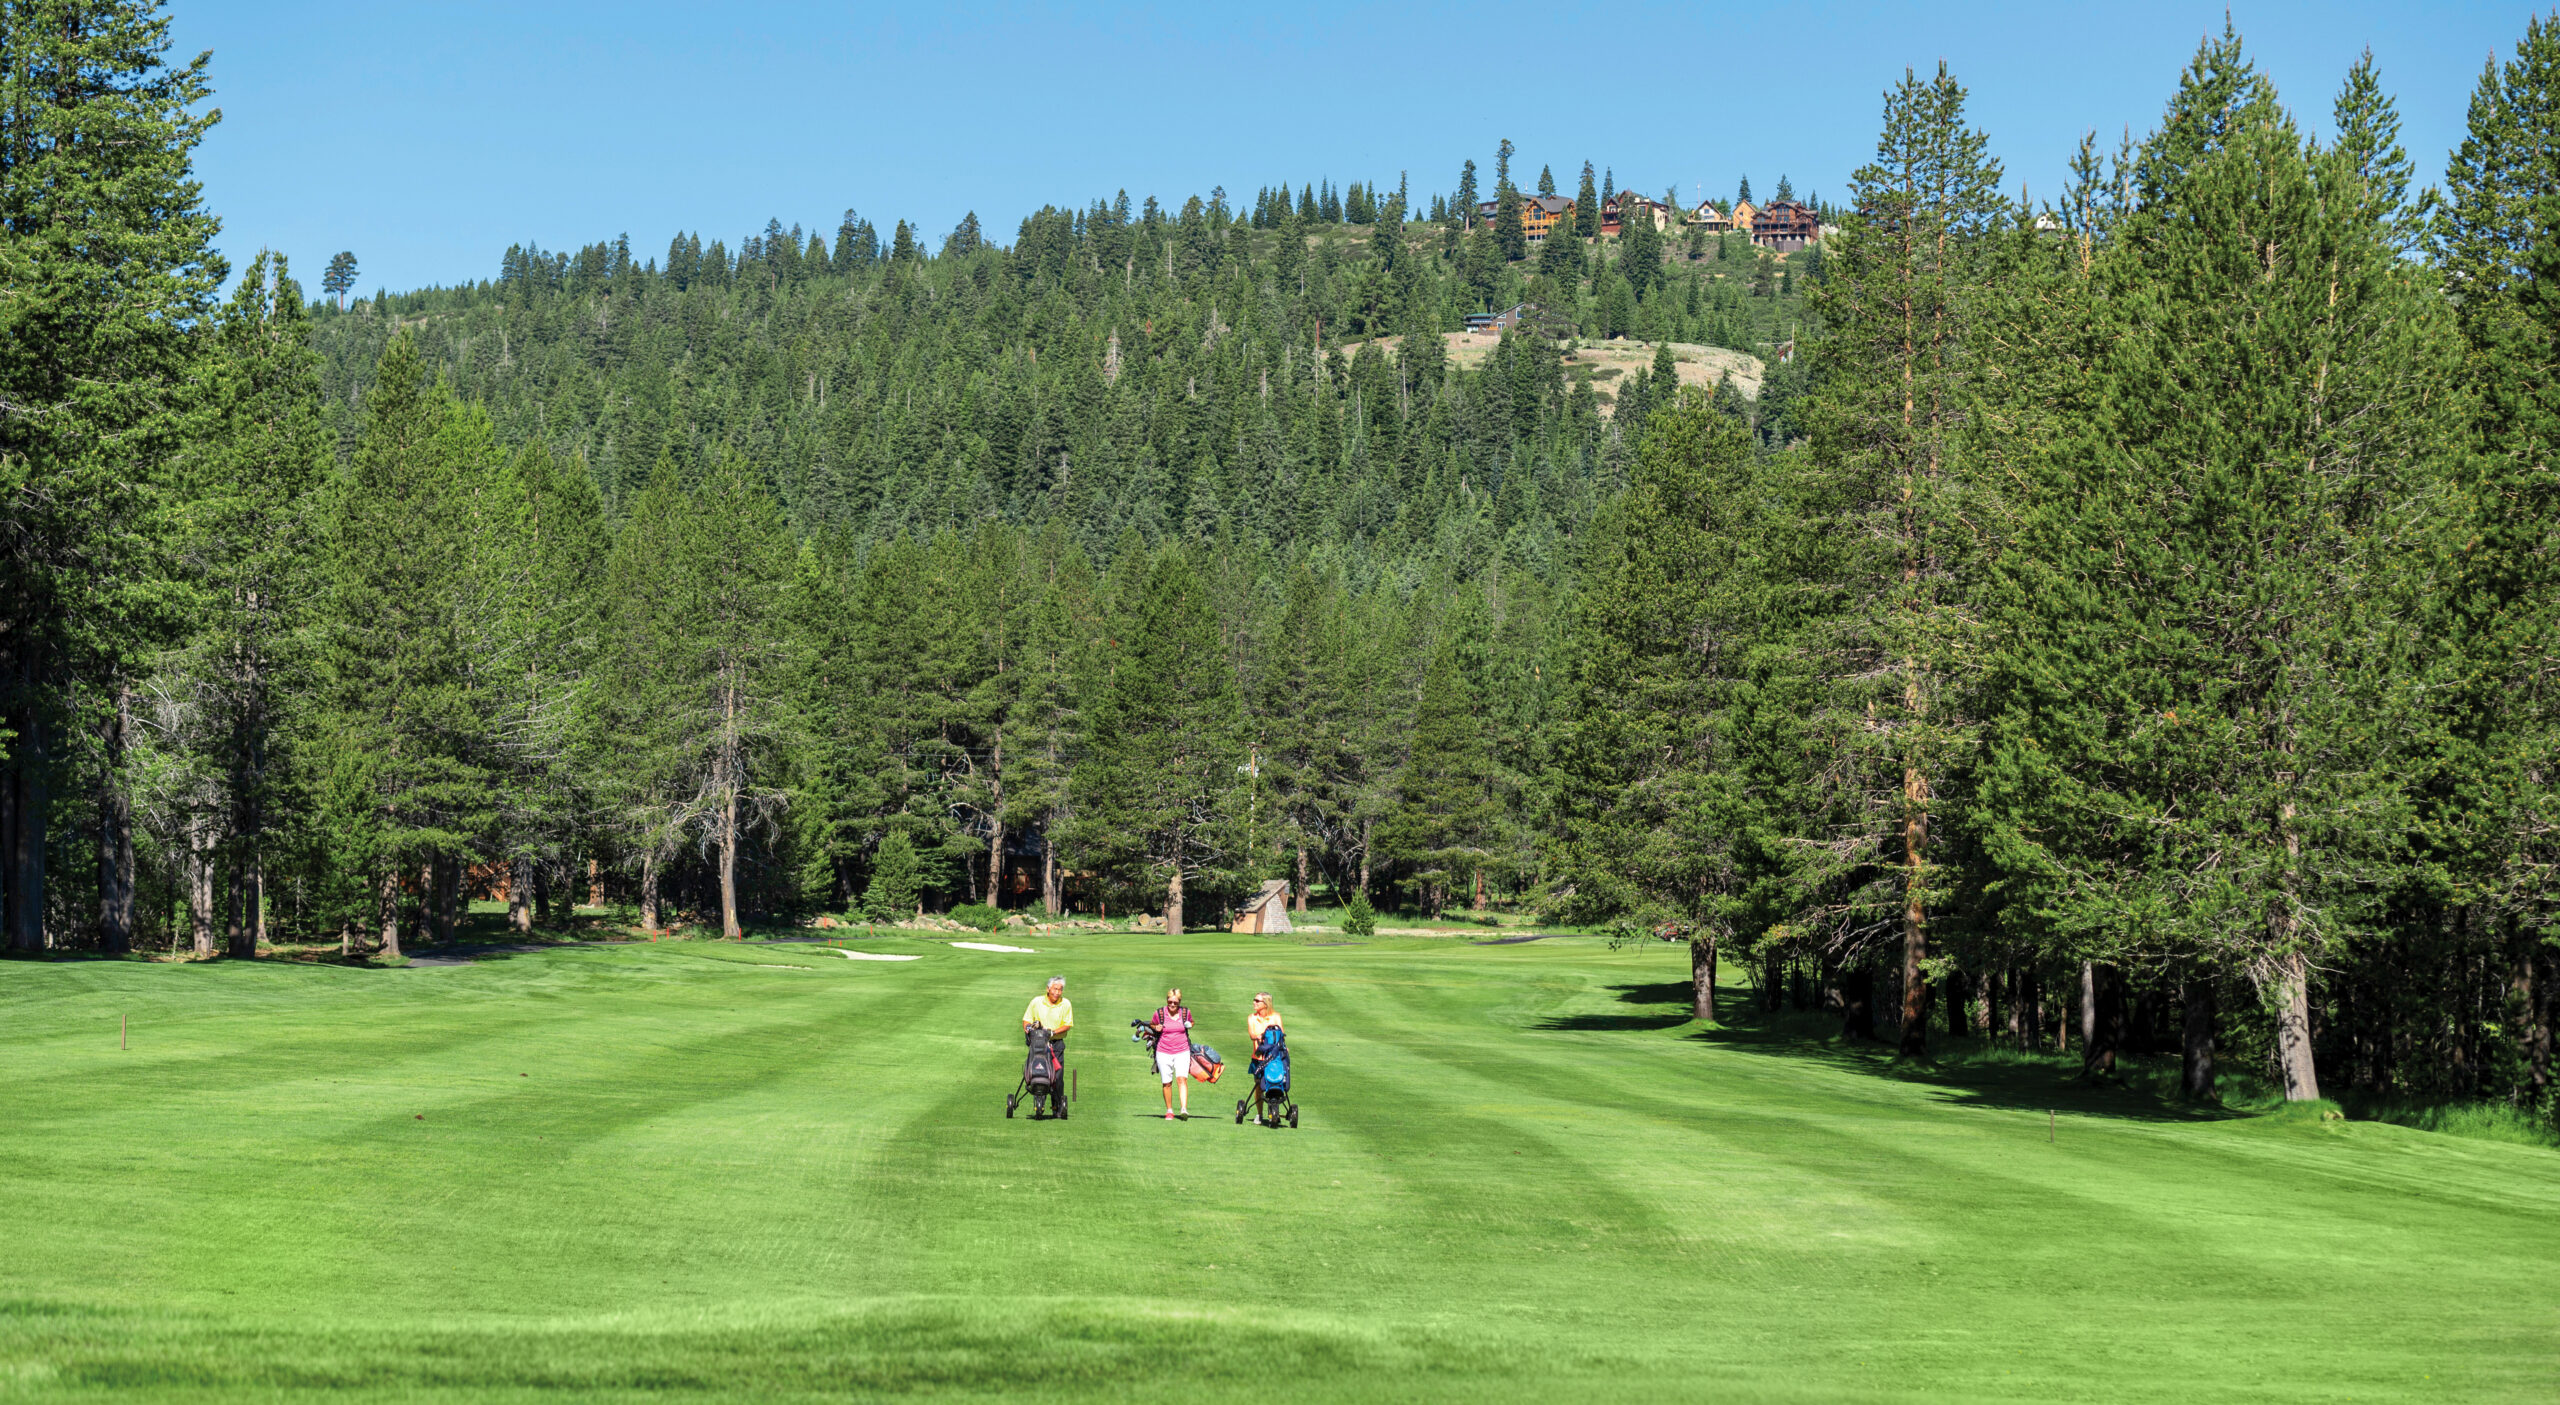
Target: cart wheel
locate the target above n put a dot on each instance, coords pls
(1293, 1114)
(1010, 1101)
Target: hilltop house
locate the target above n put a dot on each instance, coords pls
(1786, 226)
(1538, 214)
(1496, 323)
(1626, 202)
(1716, 220)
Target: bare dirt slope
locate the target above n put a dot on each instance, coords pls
(1610, 361)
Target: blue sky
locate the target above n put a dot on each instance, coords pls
(428, 137)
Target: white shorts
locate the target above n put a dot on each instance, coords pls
(1172, 1066)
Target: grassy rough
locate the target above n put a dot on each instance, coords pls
(702, 1171)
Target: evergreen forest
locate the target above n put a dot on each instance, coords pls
(2117, 624)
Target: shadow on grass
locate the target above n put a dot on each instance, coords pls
(1963, 1072)
(1676, 994)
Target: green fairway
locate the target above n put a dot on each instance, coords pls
(767, 1171)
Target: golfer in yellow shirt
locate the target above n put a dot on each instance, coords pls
(1051, 1009)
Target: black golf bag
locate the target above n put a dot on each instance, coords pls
(1044, 1075)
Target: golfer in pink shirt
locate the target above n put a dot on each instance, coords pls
(1173, 1050)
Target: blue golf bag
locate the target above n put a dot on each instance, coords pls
(1267, 1102)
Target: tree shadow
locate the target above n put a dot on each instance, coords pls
(1962, 1072)
(1675, 994)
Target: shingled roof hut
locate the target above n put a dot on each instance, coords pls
(1267, 910)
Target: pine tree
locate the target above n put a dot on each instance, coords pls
(2208, 592)
(403, 709)
(1158, 790)
(639, 733)
(896, 881)
(1899, 303)
(2492, 730)
(247, 548)
(108, 262)
(1586, 207)
(1444, 820)
(1510, 235)
(547, 524)
(1546, 180)
(1665, 816)
(340, 277)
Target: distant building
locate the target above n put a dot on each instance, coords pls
(1538, 213)
(1617, 208)
(1744, 214)
(1786, 226)
(1497, 323)
(1715, 219)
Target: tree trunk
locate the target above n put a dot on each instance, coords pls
(595, 882)
(1052, 892)
(1915, 917)
(649, 892)
(1858, 1004)
(442, 883)
(729, 927)
(2101, 1018)
(2195, 1066)
(241, 935)
(2537, 1048)
(1959, 994)
(520, 893)
(29, 808)
(1773, 978)
(257, 901)
(115, 833)
(2288, 990)
(2524, 1010)
(1364, 856)
(542, 901)
(1298, 898)
(1702, 978)
(1173, 905)
(1478, 904)
(391, 914)
(200, 883)
(995, 827)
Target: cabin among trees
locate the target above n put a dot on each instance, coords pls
(1710, 215)
(1744, 216)
(1496, 323)
(1786, 226)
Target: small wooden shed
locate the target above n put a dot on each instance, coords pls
(1267, 910)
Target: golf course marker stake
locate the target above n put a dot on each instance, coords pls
(2048, 1126)
(123, 1031)
(1075, 1086)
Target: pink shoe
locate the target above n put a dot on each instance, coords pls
(1168, 1117)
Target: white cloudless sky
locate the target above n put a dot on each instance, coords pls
(428, 137)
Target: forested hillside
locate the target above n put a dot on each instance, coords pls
(2116, 625)
(1166, 371)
